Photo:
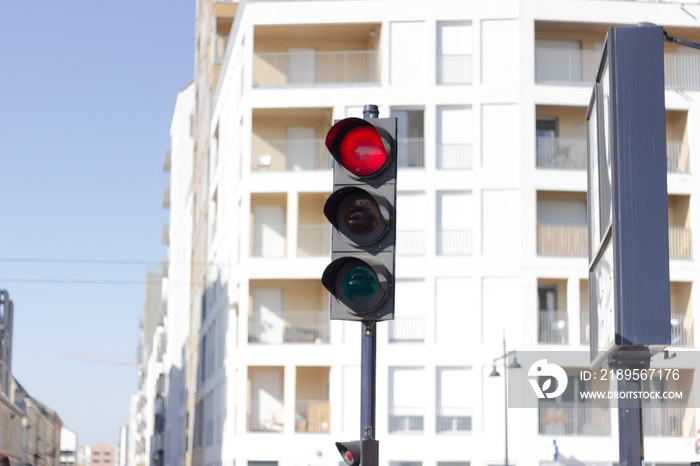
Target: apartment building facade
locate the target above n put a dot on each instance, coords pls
(491, 229)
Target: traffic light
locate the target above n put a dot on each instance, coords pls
(362, 211)
(350, 451)
(363, 452)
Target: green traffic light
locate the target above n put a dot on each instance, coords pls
(360, 284)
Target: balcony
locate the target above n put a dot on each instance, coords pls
(406, 420)
(453, 420)
(407, 330)
(410, 242)
(561, 153)
(679, 242)
(289, 327)
(553, 327)
(576, 67)
(454, 242)
(313, 240)
(265, 415)
(411, 153)
(677, 157)
(290, 155)
(571, 418)
(313, 416)
(562, 240)
(315, 69)
(454, 69)
(665, 419)
(681, 330)
(268, 240)
(454, 156)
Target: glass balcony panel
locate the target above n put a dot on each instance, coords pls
(290, 326)
(315, 69)
(568, 67)
(454, 156)
(454, 242)
(677, 157)
(681, 330)
(561, 153)
(313, 416)
(553, 327)
(407, 329)
(266, 415)
(454, 69)
(411, 153)
(410, 242)
(268, 240)
(290, 155)
(663, 419)
(313, 240)
(585, 327)
(453, 420)
(679, 242)
(571, 418)
(406, 420)
(682, 71)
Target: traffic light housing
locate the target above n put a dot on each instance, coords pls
(362, 210)
(357, 451)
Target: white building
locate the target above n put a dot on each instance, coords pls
(491, 100)
(69, 448)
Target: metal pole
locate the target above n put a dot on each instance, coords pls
(505, 405)
(630, 408)
(368, 390)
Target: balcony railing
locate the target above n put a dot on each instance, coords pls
(411, 153)
(575, 67)
(312, 416)
(290, 155)
(454, 156)
(410, 242)
(571, 418)
(313, 240)
(315, 69)
(562, 240)
(554, 327)
(679, 243)
(407, 329)
(665, 419)
(454, 69)
(406, 420)
(289, 327)
(453, 420)
(682, 71)
(268, 240)
(677, 157)
(681, 329)
(266, 416)
(561, 153)
(567, 67)
(454, 242)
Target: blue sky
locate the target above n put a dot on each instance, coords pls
(87, 91)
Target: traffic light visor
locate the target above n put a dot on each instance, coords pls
(361, 285)
(350, 451)
(358, 146)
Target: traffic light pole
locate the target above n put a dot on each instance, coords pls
(630, 409)
(370, 453)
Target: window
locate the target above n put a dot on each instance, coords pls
(454, 54)
(454, 138)
(454, 223)
(410, 145)
(454, 400)
(406, 400)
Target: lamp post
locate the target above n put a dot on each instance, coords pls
(494, 373)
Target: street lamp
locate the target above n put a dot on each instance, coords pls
(494, 373)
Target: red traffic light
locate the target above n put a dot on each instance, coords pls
(358, 146)
(350, 451)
